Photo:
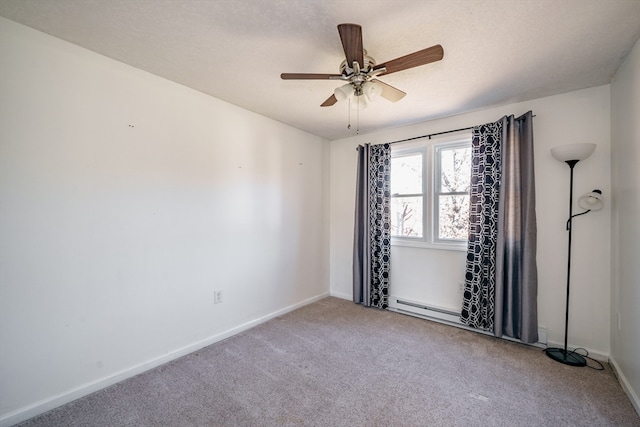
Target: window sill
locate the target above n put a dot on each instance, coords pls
(457, 246)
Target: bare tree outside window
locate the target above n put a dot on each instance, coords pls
(453, 193)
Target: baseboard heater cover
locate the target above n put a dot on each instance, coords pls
(425, 310)
(448, 316)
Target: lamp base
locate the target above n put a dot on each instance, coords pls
(566, 357)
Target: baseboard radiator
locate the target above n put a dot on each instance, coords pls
(447, 316)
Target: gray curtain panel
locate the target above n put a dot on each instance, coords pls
(516, 313)
(501, 283)
(372, 230)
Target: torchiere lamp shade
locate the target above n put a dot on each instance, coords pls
(566, 153)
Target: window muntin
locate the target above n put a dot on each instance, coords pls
(430, 183)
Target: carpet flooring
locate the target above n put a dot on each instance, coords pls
(334, 363)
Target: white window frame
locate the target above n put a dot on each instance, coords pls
(429, 147)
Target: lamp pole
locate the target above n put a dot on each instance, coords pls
(571, 164)
(562, 355)
(571, 154)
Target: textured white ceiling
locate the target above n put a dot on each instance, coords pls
(496, 51)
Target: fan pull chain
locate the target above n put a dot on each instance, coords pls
(358, 118)
(349, 113)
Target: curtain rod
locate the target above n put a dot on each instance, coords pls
(431, 134)
(439, 133)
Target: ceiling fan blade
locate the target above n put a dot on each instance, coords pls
(415, 59)
(351, 38)
(330, 101)
(309, 76)
(389, 92)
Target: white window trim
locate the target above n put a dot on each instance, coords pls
(428, 147)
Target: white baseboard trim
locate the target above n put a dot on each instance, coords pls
(52, 402)
(626, 386)
(341, 295)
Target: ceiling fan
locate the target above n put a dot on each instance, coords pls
(360, 71)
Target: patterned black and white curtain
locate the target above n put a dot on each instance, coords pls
(501, 282)
(478, 303)
(372, 231)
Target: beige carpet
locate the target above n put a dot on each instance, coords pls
(334, 363)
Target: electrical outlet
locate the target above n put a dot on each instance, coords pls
(217, 296)
(461, 286)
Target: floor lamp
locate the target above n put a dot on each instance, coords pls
(571, 155)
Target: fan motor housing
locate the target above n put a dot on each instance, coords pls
(369, 64)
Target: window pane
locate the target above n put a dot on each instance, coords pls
(406, 174)
(406, 216)
(453, 218)
(455, 170)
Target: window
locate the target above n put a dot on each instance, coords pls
(407, 198)
(430, 183)
(451, 196)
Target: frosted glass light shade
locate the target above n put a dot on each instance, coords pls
(592, 201)
(372, 90)
(566, 153)
(343, 92)
(360, 102)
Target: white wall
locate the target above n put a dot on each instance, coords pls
(581, 116)
(625, 289)
(126, 200)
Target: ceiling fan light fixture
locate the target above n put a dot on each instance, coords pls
(361, 102)
(361, 71)
(343, 92)
(372, 90)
